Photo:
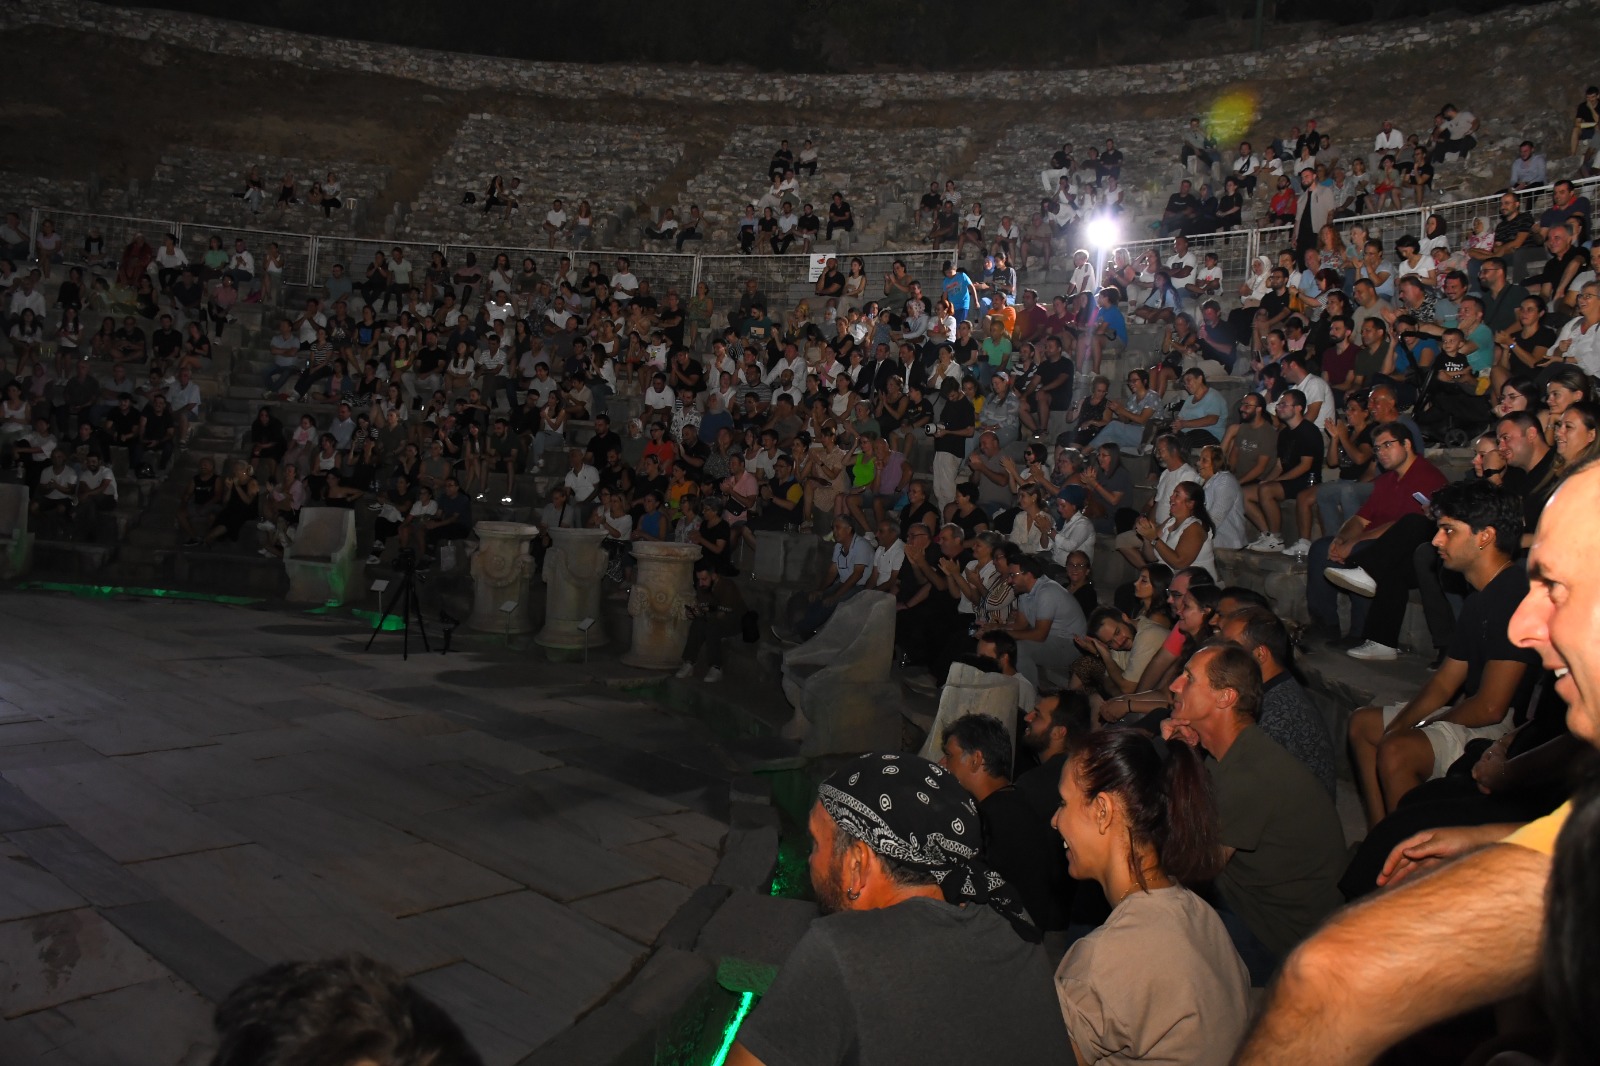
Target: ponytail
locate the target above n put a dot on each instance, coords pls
(1166, 803)
(1189, 851)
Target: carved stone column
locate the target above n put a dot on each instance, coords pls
(572, 570)
(663, 588)
(501, 571)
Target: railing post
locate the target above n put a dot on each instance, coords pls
(311, 261)
(33, 233)
(694, 279)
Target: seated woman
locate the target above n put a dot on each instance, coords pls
(1148, 703)
(1186, 538)
(1143, 826)
(1128, 420)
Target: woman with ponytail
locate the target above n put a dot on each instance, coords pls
(1160, 980)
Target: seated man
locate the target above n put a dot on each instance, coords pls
(1384, 535)
(1017, 844)
(1048, 617)
(1483, 679)
(1283, 846)
(921, 907)
(1287, 713)
(1290, 477)
(847, 574)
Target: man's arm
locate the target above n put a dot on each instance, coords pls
(1381, 970)
(1437, 693)
(1496, 689)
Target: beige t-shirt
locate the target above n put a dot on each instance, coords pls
(1159, 982)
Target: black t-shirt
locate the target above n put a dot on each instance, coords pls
(157, 426)
(1056, 381)
(1481, 638)
(1296, 443)
(970, 522)
(430, 360)
(920, 982)
(1533, 487)
(600, 444)
(1180, 204)
(1555, 268)
(166, 342)
(204, 491)
(942, 601)
(809, 223)
(1274, 304)
(1022, 848)
(123, 422)
(1348, 469)
(967, 351)
(957, 414)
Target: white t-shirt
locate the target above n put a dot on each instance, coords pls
(556, 218)
(1317, 391)
(424, 509)
(1162, 509)
(1209, 274)
(61, 483)
(624, 286)
(1392, 141)
(93, 479)
(170, 260)
(660, 399)
(1177, 263)
(621, 526)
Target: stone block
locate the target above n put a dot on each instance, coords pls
(749, 856)
(321, 561)
(968, 690)
(755, 929)
(683, 929)
(16, 542)
(838, 681)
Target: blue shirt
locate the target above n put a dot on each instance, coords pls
(1211, 403)
(958, 290)
(1112, 317)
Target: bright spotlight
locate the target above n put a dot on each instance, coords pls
(1103, 232)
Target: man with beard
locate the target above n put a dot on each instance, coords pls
(894, 865)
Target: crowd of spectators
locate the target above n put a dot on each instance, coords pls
(1163, 735)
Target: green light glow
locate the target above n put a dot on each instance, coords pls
(106, 592)
(731, 1033)
(393, 624)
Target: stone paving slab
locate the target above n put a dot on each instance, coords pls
(56, 958)
(278, 911)
(503, 1023)
(230, 787)
(28, 890)
(563, 961)
(120, 811)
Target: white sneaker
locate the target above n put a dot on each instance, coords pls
(1352, 579)
(374, 559)
(1372, 651)
(265, 526)
(1267, 542)
(713, 675)
(685, 671)
(1299, 547)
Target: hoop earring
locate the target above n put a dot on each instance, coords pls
(852, 895)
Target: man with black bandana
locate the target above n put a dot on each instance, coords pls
(915, 961)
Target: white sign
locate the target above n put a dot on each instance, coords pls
(818, 264)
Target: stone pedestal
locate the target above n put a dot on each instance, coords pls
(572, 570)
(663, 588)
(501, 571)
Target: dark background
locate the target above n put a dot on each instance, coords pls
(824, 35)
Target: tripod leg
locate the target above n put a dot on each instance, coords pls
(405, 584)
(414, 607)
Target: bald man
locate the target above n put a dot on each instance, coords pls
(1465, 935)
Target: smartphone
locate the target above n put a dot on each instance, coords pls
(1420, 498)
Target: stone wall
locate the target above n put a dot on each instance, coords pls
(590, 81)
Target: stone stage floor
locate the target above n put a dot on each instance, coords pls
(191, 791)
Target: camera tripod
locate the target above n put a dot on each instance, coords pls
(404, 597)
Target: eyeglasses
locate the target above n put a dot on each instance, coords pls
(1386, 444)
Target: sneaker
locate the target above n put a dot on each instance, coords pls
(685, 672)
(506, 500)
(374, 507)
(713, 675)
(1352, 579)
(373, 559)
(1372, 651)
(192, 542)
(1267, 542)
(265, 526)
(1299, 547)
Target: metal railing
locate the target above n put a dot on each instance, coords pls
(308, 257)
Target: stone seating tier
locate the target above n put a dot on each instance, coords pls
(615, 168)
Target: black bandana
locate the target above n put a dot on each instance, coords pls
(915, 812)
